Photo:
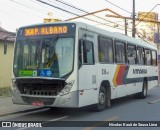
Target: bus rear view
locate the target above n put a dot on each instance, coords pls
(43, 65)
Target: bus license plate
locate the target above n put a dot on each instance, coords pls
(37, 103)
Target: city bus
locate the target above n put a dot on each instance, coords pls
(73, 64)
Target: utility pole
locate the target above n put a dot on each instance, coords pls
(133, 20)
(125, 24)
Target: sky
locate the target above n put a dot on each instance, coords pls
(17, 13)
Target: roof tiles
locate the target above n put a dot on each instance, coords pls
(6, 35)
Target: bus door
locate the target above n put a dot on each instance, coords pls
(87, 71)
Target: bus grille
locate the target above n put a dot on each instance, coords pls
(39, 88)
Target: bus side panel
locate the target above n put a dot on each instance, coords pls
(154, 82)
(105, 72)
(87, 86)
(87, 74)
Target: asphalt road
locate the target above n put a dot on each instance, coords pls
(123, 109)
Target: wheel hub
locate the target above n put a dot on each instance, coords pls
(101, 98)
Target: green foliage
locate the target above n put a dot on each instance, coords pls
(5, 91)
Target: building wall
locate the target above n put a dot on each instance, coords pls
(6, 64)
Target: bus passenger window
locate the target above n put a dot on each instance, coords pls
(131, 54)
(88, 57)
(154, 58)
(147, 57)
(105, 52)
(140, 55)
(120, 52)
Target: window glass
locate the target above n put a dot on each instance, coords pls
(53, 54)
(131, 53)
(88, 52)
(140, 55)
(147, 57)
(58, 56)
(105, 52)
(120, 52)
(154, 58)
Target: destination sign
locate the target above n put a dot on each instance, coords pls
(47, 30)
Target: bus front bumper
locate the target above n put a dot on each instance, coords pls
(69, 100)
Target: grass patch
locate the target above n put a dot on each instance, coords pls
(5, 91)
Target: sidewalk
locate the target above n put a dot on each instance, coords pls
(7, 107)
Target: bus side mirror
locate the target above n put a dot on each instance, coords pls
(5, 46)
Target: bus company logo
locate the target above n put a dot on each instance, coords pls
(139, 71)
(6, 124)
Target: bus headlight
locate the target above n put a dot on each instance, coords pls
(14, 86)
(67, 88)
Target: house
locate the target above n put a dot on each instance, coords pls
(6, 60)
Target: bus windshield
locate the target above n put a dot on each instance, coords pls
(45, 57)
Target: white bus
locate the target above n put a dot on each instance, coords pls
(73, 64)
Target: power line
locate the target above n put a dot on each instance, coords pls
(66, 7)
(142, 20)
(83, 10)
(118, 7)
(69, 7)
(88, 12)
(65, 11)
(65, 3)
(74, 13)
(48, 8)
(21, 4)
(147, 14)
(57, 7)
(131, 13)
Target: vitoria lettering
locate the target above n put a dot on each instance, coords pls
(139, 71)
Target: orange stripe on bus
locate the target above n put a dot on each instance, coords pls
(115, 75)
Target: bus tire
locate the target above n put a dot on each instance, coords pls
(101, 105)
(108, 97)
(144, 92)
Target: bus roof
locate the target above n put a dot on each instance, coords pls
(120, 36)
(114, 35)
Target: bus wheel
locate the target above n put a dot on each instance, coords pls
(101, 99)
(143, 94)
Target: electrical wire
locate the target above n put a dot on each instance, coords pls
(118, 7)
(72, 12)
(49, 9)
(147, 14)
(65, 3)
(60, 1)
(131, 13)
(85, 11)
(29, 7)
(64, 10)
